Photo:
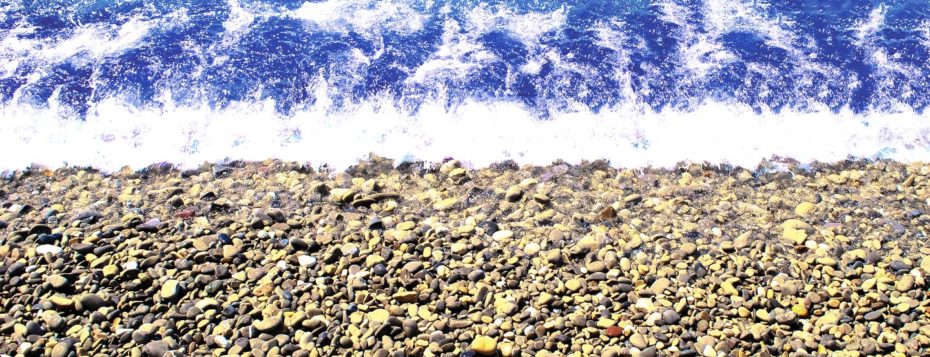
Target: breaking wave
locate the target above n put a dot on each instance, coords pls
(639, 83)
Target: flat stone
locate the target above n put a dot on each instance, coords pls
(53, 320)
(61, 302)
(406, 297)
(804, 208)
(502, 235)
(378, 315)
(63, 348)
(905, 283)
(207, 304)
(659, 286)
(269, 324)
(729, 289)
(170, 290)
(873, 315)
(413, 267)
(230, 251)
(144, 333)
(48, 249)
(574, 284)
(554, 256)
(57, 281)
(531, 249)
(638, 341)
(203, 243)
(484, 345)
(158, 348)
(796, 236)
(688, 249)
(446, 204)
(306, 260)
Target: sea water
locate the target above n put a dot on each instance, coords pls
(112, 83)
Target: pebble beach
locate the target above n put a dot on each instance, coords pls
(276, 258)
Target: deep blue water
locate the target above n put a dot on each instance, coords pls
(551, 56)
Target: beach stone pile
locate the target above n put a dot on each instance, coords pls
(273, 258)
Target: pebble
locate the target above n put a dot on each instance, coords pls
(90, 302)
(574, 284)
(48, 249)
(566, 260)
(158, 348)
(306, 260)
(804, 208)
(638, 341)
(502, 235)
(484, 345)
(670, 316)
(873, 315)
(63, 348)
(905, 283)
(446, 204)
(57, 281)
(531, 249)
(170, 290)
(268, 324)
(688, 248)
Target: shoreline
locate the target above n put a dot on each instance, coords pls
(275, 258)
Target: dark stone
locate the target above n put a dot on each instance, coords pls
(375, 224)
(16, 269)
(224, 239)
(89, 217)
(379, 270)
(648, 352)
(670, 316)
(299, 244)
(90, 302)
(490, 227)
(873, 315)
(63, 348)
(82, 248)
(476, 275)
(410, 328)
(333, 256)
(276, 215)
(40, 229)
(48, 238)
(899, 266)
(34, 328)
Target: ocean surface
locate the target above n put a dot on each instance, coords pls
(110, 83)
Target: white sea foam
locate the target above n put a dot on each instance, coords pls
(457, 55)
(870, 25)
(479, 133)
(925, 33)
(239, 17)
(701, 51)
(886, 59)
(461, 52)
(611, 36)
(527, 27)
(87, 43)
(366, 17)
